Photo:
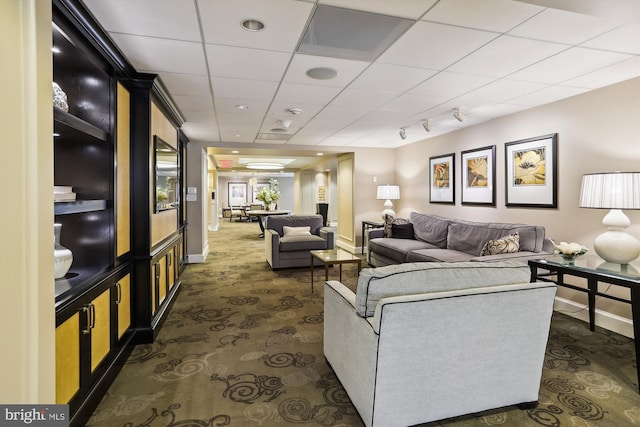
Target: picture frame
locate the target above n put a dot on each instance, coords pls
(442, 179)
(531, 172)
(478, 176)
(237, 193)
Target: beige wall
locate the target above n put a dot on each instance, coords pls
(597, 132)
(166, 222)
(27, 362)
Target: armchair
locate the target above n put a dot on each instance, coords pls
(289, 238)
(421, 342)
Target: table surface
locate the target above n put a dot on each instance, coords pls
(334, 256)
(267, 213)
(592, 264)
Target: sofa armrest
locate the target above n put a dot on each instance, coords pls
(548, 246)
(375, 233)
(272, 247)
(327, 234)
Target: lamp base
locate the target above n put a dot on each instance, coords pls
(617, 247)
(388, 212)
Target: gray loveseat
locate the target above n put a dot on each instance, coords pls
(287, 241)
(420, 342)
(437, 239)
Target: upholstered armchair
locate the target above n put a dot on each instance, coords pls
(421, 342)
(289, 238)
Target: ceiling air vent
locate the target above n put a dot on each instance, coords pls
(351, 34)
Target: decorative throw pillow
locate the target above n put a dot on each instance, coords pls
(296, 231)
(390, 221)
(505, 245)
(402, 231)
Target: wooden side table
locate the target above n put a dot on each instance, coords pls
(367, 225)
(333, 256)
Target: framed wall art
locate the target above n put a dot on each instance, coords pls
(237, 193)
(479, 176)
(531, 172)
(441, 179)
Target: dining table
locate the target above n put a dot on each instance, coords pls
(263, 214)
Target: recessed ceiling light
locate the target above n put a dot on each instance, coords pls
(235, 152)
(238, 135)
(294, 111)
(252, 25)
(242, 107)
(55, 49)
(319, 154)
(322, 73)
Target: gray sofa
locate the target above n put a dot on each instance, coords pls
(420, 342)
(292, 249)
(438, 239)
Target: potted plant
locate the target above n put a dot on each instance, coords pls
(269, 195)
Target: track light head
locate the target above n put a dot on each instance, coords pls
(426, 125)
(458, 115)
(403, 133)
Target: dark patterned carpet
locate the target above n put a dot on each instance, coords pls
(242, 346)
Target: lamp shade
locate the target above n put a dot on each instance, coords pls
(610, 190)
(388, 192)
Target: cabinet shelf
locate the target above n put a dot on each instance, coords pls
(67, 120)
(79, 206)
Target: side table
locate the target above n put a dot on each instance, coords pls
(594, 270)
(367, 225)
(330, 257)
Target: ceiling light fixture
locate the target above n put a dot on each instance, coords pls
(403, 133)
(322, 73)
(426, 125)
(252, 25)
(242, 107)
(264, 165)
(458, 115)
(294, 111)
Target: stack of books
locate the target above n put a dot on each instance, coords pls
(63, 193)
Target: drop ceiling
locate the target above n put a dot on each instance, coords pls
(488, 58)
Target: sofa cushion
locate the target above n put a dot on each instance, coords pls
(424, 277)
(402, 231)
(396, 249)
(438, 255)
(430, 228)
(470, 237)
(302, 243)
(296, 231)
(505, 245)
(390, 221)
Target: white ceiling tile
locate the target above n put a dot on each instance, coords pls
(489, 60)
(284, 21)
(156, 18)
(491, 15)
(563, 27)
(247, 89)
(347, 70)
(607, 76)
(625, 39)
(290, 93)
(257, 107)
(362, 100)
(244, 63)
(422, 46)
(191, 102)
(185, 84)
(305, 139)
(199, 116)
(498, 91)
(547, 95)
(412, 103)
(153, 54)
(446, 85)
(391, 78)
(199, 131)
(569, 64)
(412, 9)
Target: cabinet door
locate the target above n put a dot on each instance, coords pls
(100, 328)
(162, 283)
(171, 266)
(123, 301)
(68, 359)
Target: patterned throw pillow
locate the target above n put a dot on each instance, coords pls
(390, 221)
(505, 245)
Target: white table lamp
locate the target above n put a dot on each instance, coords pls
(615, 191)
(388, 193)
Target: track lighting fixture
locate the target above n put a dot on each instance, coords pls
(403, 133)
(426, 125)
(458, 115)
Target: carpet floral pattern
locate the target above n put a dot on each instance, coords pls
(242, 346)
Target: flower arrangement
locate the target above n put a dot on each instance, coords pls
(270, 194)
(570, 251)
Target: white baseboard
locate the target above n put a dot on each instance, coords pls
(199, 258)
(347, 247)
(604, 319)
(215, 228)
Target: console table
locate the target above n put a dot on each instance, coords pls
(595, 270)
(367, 225)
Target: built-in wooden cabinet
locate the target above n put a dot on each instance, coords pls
(127, 256)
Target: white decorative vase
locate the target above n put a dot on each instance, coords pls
(62, 256)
